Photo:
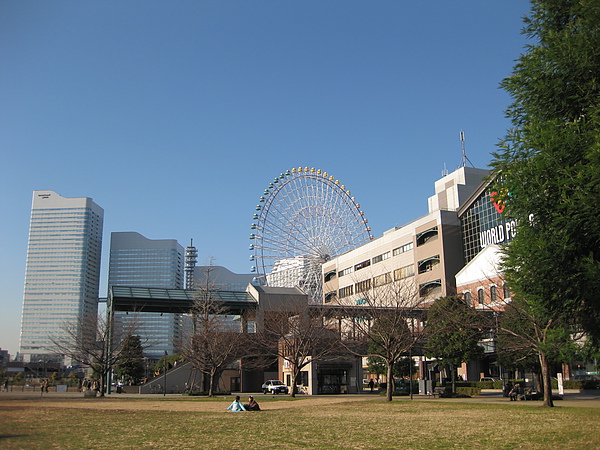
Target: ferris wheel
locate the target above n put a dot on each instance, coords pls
(304, 218)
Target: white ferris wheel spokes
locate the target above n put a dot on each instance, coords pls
(304, 218)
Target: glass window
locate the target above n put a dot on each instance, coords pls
(381, 280)
(467, 296)
(329, 276)
(493, 294)
(404, 272)
(330, 296)
(430, 289)
(363, 286)
(346, 271)
(402, 249)
(362, 265)
(481, 224)
(427, 235)
(346, 291)
(381, 257)
(481, 296)
(427, 265)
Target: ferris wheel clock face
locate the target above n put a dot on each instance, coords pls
(304, 218)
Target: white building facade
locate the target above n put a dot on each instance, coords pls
(62, 274)
(426, 253)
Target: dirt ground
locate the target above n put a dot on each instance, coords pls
(175, 402)
(126, 403)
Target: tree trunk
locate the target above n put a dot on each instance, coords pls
(546, 379)
(211, 384)
(295, 372)
(102, 383)
(390, 382)
(538, 381)
(453, 378)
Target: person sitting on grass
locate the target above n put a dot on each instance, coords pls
(252, 405)
(236, 405)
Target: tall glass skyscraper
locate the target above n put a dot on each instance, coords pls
(140, 262)
(62, 275)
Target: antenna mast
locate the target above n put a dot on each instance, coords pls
(464, 159)
(191, 258)
(445, 171)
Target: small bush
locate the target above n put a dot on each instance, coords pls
(470, 391)
(455, 395)
(581, 384)
(397, 393)
(205, 393)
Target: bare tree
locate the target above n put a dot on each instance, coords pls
(387, 316)
(94, 341)
(214, 342)
(523, 332)
(298, 334)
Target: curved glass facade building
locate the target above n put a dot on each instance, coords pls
(137, 261)
(482, 222)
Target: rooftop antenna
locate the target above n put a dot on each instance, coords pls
(191, 258)
(445, 171)
(464, 159)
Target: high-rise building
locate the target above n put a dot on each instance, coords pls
(152, 263)
(221, 278)
(62, 274)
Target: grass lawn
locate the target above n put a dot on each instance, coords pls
(352, 424)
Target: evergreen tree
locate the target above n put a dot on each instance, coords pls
(454, 332)
(549, 173)
(130, 365)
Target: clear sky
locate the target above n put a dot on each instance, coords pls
(174, 116)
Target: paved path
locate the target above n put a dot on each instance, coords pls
(572, 398)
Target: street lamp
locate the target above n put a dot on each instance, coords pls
(165, 380)
(145, 369)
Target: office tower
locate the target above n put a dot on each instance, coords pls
(62, 274)
(140, 262)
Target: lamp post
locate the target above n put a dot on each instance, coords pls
(410, 376)
(145, 369)
(165, 380)
(41, 380)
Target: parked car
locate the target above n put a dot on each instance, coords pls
(585, 377)
(274, 387)
(490, 379)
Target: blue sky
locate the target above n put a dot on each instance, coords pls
(174, 116)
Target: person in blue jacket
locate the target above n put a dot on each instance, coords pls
(236, 405)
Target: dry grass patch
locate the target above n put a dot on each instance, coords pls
(308, 422)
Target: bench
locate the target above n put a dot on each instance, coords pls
(528, 394)
(89, 393)
(437, 391)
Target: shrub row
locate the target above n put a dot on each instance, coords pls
(579, 384)
(204, 393)
(567, 384)
(470, 391)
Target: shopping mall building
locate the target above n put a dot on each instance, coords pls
(426, 253)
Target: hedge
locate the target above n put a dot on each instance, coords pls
(470, 391)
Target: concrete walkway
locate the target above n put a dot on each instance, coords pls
(571, 398)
